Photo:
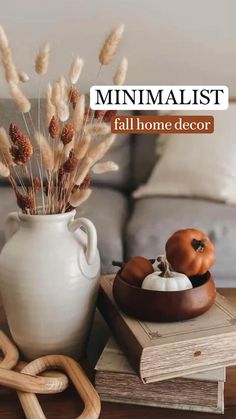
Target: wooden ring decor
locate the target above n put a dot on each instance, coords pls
(91, 400)
(168, 306)
(10, 352)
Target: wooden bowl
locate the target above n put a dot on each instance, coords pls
(165, 306)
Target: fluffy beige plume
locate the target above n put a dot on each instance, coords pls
(64, 88)
(63, 112)
(80, 196)
(78, 115)
(108, 166)
(98, 128)
(82, 146)
(75, 69)
(42, 59)
(94, 154)
(120, 75)
(83, 170)
(4, 171)
(56, 93)
(98, 151)
(19, 98)
(23, 76)
(3, 39)
(11, 74)
(45, 150)
(50, 107)
(110, 45)
(5, 146)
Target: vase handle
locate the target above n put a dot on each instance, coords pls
(91, 234)
(11, 225)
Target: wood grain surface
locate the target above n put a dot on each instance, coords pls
(67, 405)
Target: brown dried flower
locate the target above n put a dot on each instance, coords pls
(71, 163)
(54, 127)
(22, 149)
(25, 202)
(67, 133)
(74, 96)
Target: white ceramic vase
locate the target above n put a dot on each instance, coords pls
(49, 277)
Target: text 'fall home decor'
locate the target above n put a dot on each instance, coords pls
(49, 267)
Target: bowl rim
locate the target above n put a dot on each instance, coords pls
(209, 278)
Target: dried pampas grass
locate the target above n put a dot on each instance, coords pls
(97, 128)
(75, 70)
(98, 151)
(108, 166)
(42, 59)
(64, 88)
(45, 151)
(120, 75)
(5, 146)
(110, 45)
(3, 39)
(71, 145)
(79, 196)
(78, 116)
(82, 146)
(83, 170)
(4, 170)
(63, 112)
(21, 101)
(11, 74)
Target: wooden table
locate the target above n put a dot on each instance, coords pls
(68, 406)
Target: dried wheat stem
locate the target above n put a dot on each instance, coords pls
(75, 70)
(19, 98)
(79, 197)
(110, 45)
(120, 75)
(108, 166)
(42, 59)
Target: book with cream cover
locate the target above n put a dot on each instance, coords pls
(116, 381)
(160, 351)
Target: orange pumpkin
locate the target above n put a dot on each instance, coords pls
(135, 270)
(190, 251)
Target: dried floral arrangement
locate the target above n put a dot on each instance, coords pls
(68, 147)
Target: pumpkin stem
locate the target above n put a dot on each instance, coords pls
(198, 245)
(164, 267)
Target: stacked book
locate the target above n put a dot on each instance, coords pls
(179, 365)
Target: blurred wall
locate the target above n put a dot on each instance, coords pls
(167, 42)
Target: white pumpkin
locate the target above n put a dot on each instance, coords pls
(175, 282)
